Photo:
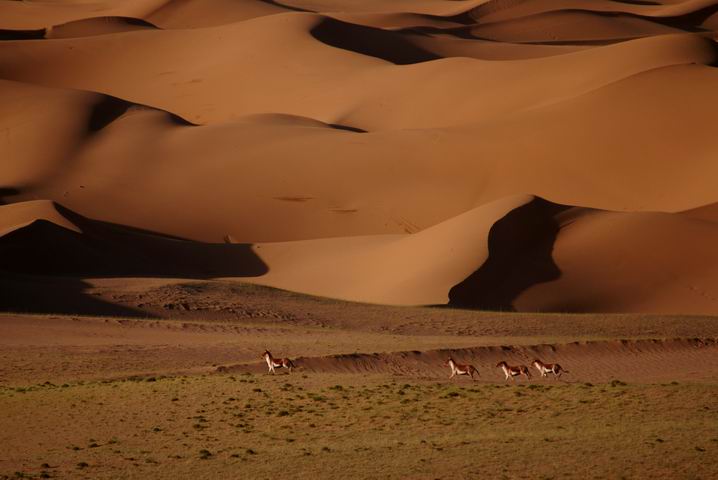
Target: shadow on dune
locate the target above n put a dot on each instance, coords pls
(75, 28)
(520, 255)
(95, 26)
(690, 21)
(105, 111)
(288, 7)
(6, 34)
(107, 250)
(389, 46)
(31, 294)
(100, 113)
(347, 128)
(42, 264)
(637, 2)
(7, 192)
(108, 109)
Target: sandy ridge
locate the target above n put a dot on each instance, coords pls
(520, 253)
(632, 360)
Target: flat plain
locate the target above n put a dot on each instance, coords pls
(181, 391)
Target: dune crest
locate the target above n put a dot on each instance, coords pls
(520, 253)
(18, 215)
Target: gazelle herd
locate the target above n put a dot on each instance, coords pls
(510, 371)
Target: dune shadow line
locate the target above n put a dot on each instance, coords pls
(109, 250)
(9, 34)
(520, 256)
(7, 192)
(57, 295)
(374, 42)
(275, 3)
(108, 109)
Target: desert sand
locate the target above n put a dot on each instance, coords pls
(368, 187)
(368, 150)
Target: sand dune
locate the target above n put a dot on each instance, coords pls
(667, 262)
(571, 26)
(708, 213)
(527, 255)
(365, 72)
(494, 10)
(20, 215)
(141, 166)
(368, 150)
(44, 237)
(207, 13)
(40, 15)
(519, 253)
(97, 26)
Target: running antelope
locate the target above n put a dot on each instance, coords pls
(514, 371)
(459, 369)
(273, 363)
(546, 368)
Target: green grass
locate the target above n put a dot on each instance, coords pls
(363, 427)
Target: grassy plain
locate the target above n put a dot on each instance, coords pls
(356, 426)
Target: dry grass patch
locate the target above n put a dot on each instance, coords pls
(363, 426)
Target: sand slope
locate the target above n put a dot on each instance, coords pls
(374, 151)
(519, 253)
(43, 237)
(532, 256)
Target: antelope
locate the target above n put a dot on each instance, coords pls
(273, 363)
(459, 369)
(514, 371)
(546, 368)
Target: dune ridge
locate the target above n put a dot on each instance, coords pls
(520, 253)
(43, 237)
